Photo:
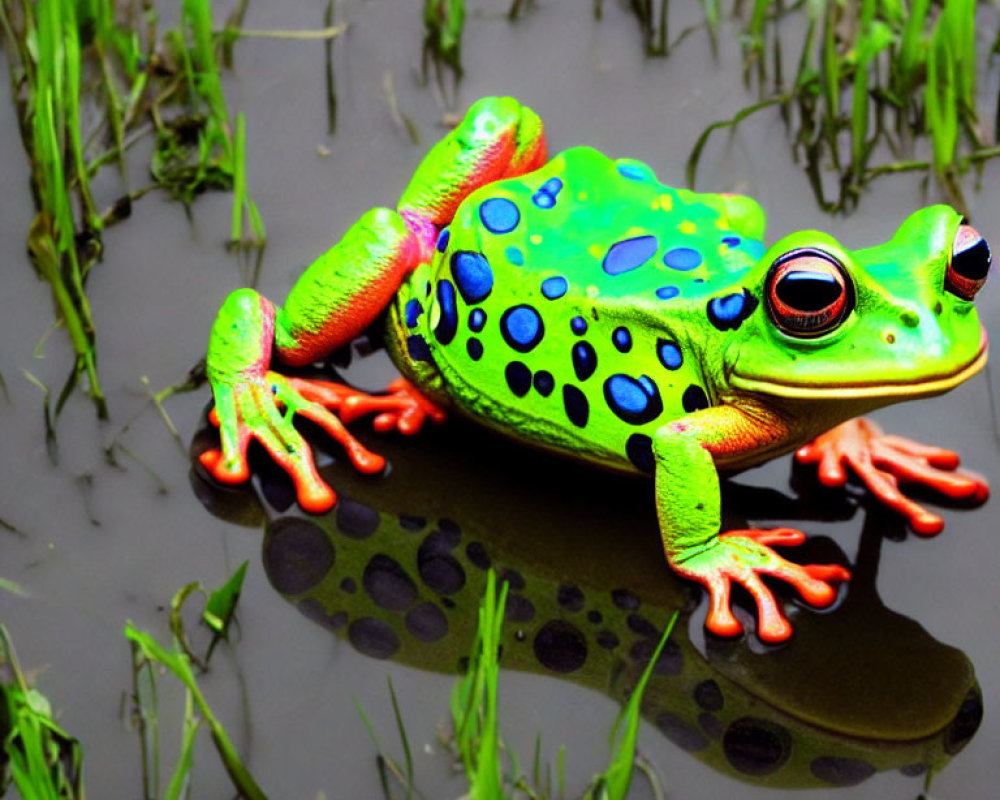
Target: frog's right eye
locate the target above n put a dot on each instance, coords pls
(969, 264)
(808, 293)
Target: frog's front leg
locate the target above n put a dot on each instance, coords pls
(884, 461)
(688, 508)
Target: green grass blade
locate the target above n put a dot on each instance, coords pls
(180, 781)
(221, 603)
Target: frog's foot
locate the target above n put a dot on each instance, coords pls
(252, 410)
(883, 462)
(742, 556)
(403, 408)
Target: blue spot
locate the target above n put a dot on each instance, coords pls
(442, 242)
(514, 256)
(477, 319)
(473, 275)
(669, 353)
(634, 400)
(544, 382)
(729, 311)
(448, 321)
(584, 360)
(622, 339)
(412, 312)
(553, 186)
(543, 199)
(639, 449)
(522, 327)
(731, 241)
(578, 325)
(576, 405)
(554, 287)
(499, 215)
(682, 258)
(417, 349)
(628, 254)
(518, 378)
(667, 292)
(694, 399)
(474, 347)
(634, 172)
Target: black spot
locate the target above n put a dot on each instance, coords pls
(447, 602)
(388, 584)
(913, 770)
(584, 360)
(474, 348)
(639, 450)
(560, 647)
(410, 523)
(544, 382)
(576, 405)
(518, 378)
(670, 662)
(756, 746)
(297, 555)
(622, 339)
(439, 569)
(348, 586)
(570, 597)
(313, 609)
(694, 399)
(708, 695)
(595, 616)
(642, 626)
(477, 555)
(519, 608)
(841, 771)
(728, 312)
(624, 599)
(607, 640)
(682, 734)
(426, 622)
(965, 723)
(514, 578)
(373, 637)
(447, 325)
(710, 724)
(452, 533)
(633, 400)
(356, 520)
(417, 349)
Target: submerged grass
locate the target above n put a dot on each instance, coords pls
(873, 79)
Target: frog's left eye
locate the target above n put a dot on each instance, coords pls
(808, 293)
(970, 261)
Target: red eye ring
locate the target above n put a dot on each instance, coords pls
(808, 293)
(969, 263)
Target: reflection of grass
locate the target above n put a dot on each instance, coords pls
(493, 769)
(872, 77)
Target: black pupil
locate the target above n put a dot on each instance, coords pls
(973, 262)
(808, 291)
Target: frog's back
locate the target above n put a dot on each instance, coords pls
(559, 304)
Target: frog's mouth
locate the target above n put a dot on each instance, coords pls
(930, 385)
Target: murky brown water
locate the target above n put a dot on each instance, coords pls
(104, 544)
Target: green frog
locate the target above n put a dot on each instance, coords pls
(579, 305)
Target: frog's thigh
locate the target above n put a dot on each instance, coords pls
(687, 492)
(345, 289)
(497, 138)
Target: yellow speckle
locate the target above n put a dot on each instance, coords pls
(723, 249)
(722, 223)
(581, 196)
(596, 250)
(655, 204)
(687, 227)
(666, 202)
(593, 291)
(535, 238)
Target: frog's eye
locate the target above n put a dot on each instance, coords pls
(970, 261)
(808, 293)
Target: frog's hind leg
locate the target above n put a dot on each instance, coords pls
(498, 138)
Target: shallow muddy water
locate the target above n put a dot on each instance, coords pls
(100, 544)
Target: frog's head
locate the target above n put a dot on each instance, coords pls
(874, 325)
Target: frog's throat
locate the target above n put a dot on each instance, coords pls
(846, 391)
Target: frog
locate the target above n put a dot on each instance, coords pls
(579, 305)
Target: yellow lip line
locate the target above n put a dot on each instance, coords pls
(847, 392)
